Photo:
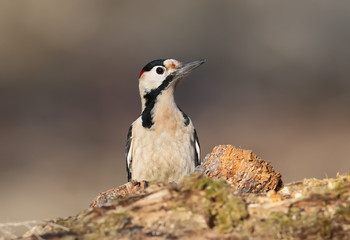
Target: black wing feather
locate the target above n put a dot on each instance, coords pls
(127, 149)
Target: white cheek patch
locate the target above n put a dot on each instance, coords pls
(150, 80)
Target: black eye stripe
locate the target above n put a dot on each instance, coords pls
(160, 70)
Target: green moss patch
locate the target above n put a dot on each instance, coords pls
(224, 210)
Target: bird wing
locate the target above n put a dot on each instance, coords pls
(128, 153)
(197, 149)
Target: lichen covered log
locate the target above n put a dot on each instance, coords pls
(205, 208)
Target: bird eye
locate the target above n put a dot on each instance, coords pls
(160, 70)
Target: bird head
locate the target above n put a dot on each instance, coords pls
(164, 74)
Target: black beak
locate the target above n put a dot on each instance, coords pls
(186, 68)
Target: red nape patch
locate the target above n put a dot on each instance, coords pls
(142, 71)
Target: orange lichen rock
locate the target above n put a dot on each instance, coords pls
(241, 168)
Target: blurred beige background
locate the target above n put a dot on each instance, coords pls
(276, 81)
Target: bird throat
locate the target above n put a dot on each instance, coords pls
(150, 101)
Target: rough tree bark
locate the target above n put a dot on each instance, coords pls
(233, 195)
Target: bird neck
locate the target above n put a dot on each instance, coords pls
(159, 106)
(165, 104)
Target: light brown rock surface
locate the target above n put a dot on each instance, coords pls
(241, 168)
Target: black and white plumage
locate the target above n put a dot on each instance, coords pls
(162, 144)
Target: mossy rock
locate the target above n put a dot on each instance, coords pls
(206, 208)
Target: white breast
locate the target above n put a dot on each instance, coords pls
(162, 154)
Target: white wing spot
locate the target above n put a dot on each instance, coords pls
(129, 154)
(198, 151)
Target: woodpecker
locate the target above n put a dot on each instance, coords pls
(162, 144)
